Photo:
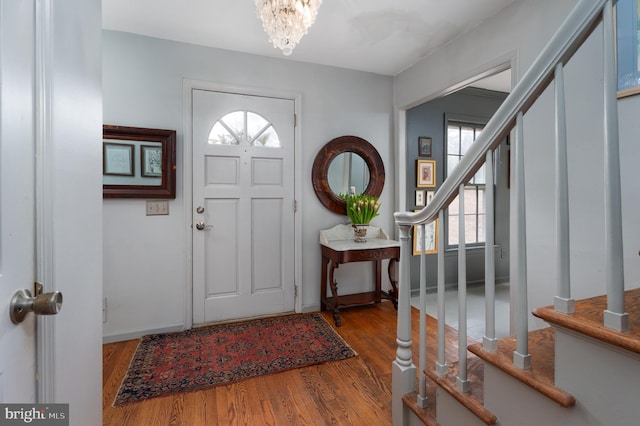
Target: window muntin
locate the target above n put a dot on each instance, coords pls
(244, 128)
(460, 137)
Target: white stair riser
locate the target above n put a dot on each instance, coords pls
(604, 379)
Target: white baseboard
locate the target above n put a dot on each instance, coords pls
(310, 308)
(415, 292)
(136, 334)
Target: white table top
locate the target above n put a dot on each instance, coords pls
(340, 238)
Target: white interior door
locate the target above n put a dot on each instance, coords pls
(243, 212)
(17, 271)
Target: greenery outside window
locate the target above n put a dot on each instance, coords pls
(460, 136)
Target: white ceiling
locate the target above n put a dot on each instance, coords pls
(379, 36)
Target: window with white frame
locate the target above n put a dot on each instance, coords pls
(460, 137)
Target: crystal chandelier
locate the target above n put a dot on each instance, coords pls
(286, 21)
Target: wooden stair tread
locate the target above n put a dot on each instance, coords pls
(426, 415)
(541, 375)
(473, 399)
(588, 320)
(475, 370)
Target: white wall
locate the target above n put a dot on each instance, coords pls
(629, 111)
(521, 31)
(146, 258)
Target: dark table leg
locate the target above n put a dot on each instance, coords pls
(377, 270)
(334, 292)
(393, 293)
(323, 283)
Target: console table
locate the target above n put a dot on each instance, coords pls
(338, 247)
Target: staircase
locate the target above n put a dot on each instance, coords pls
(584, 368)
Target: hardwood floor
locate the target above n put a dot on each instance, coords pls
(356, 391)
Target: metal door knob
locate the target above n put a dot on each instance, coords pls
(201, 226)
(44, 304)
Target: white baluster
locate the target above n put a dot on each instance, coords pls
(562, 301)
(422, 399)
(441, 364)
(521, 357)
(462, 384)
(403, 372)
(614, 317)
(489, 341)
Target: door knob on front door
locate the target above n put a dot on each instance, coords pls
(43, 304)
(200, 226)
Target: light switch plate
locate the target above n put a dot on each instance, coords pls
(155, 208)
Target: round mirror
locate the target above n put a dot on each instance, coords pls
(344, 164)
(348, 174)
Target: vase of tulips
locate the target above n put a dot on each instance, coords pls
(361, 209)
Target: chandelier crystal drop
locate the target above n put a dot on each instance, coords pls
(286, 21)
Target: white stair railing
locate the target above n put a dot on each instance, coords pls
(403, 370)
(489, 341)
(441, 364)
(562, 301)
(615, 316)
(546, 68)
(422, 364)
(462, 382)
(521, 357)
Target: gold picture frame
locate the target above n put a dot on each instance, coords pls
(430, 241)
(426, 173)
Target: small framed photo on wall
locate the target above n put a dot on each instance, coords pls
(430, 195)
(151, 160)
(117, 159)
(427, 243)
(420, 198)
(424, 146)
(426, 174)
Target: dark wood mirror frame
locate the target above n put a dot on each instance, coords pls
(331, 150)
(167, 138)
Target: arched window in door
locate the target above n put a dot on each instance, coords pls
(244, 128)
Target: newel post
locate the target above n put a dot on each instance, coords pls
(403, 371)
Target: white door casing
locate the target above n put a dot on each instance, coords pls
(243, 261)
(17, 200)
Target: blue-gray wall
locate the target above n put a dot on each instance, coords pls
(428, 120)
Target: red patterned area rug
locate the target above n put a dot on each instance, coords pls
(171, 363)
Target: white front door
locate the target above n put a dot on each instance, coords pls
(243, 206)
(17, 207)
